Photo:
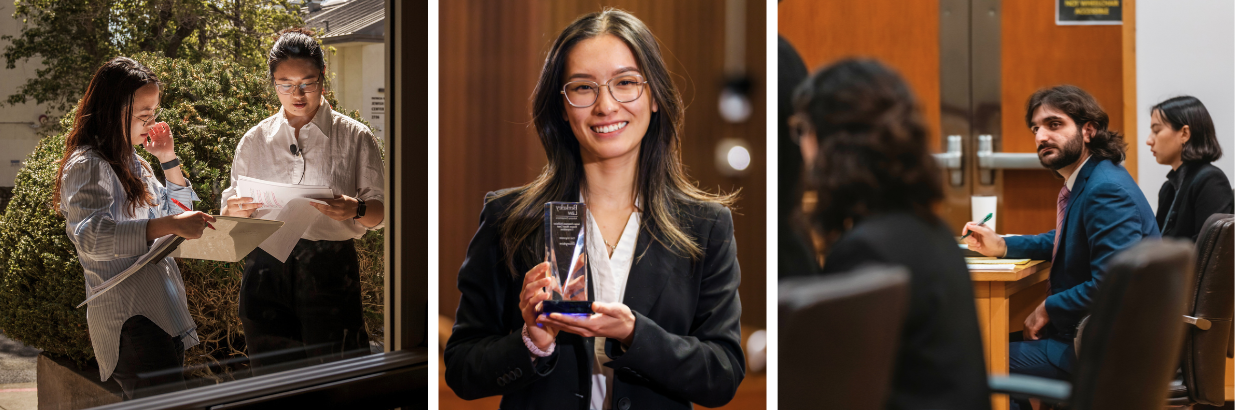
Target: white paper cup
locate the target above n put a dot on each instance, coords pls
(982, 205)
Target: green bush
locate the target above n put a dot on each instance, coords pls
(209, 106)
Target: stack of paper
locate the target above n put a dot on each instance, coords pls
(992, 266)
(275, 196)
(287, 203)
(987, 260)
(296, 218)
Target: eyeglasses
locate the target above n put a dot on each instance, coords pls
(624, 89)
(149, 119)
(305, 88)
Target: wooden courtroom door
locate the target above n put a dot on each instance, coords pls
(973, 65)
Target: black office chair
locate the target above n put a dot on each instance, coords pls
(838, 337)
(1208, 313)
(1131, 343)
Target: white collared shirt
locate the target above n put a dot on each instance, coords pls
(108, 240)
(1069, 182)
(334, 150)
(1072, 178)
(609, 274)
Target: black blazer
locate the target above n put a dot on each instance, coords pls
(1189, 196)
(686, 340)
(939, 362)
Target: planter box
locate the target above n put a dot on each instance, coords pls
(64, 386)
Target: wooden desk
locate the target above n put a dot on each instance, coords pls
(1005, 299)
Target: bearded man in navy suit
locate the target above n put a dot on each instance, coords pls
(1101, 211)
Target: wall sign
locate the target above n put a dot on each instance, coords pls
(377, 114)
(1088, 12)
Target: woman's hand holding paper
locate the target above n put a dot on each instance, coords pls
(241, 206)
(341, 208)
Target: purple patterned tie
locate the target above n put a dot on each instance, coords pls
(1062, 208)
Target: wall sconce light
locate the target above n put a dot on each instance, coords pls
(733, 157)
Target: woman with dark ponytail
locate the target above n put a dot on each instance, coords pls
(113, 207)
(307, 307)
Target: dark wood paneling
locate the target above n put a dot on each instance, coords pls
(491, 53)
(1023, 213)
(1036, 54)
(902, 34)
(489, 62)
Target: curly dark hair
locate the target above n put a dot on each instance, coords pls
(872, 140)
(1083, 109)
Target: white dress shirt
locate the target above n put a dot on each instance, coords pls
(1072, 178)
(333, 150)
(609, 274)
(109, 240)
(1068, 182)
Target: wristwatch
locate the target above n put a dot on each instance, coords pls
(170, 164)
(360, 208)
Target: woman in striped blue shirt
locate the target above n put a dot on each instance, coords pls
(113, 208)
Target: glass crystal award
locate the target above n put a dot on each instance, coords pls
(565, 250)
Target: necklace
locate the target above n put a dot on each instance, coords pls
(611, 247)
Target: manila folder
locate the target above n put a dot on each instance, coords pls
(231, 240)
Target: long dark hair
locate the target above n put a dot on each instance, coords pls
(873, 154)
(660, 179)
(1083, 109)
(1177, 112)
(103, 122)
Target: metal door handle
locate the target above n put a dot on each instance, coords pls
(988, 159)
(952, 160)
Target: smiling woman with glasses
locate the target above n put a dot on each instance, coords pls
(663, 274)
(308, 306)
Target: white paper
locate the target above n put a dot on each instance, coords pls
(158, 250)
(297, 215)
(992, 266)
(983, 205)
(231, 240)
(276, 196)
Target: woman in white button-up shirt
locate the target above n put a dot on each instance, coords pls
(307, 307)
(663, 273)
(113, 208)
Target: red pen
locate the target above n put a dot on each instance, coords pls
(208, 225)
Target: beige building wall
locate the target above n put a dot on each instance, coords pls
(358, 77)
(18, 135)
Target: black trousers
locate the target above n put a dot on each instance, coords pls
(303, 311)
(150, 362)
